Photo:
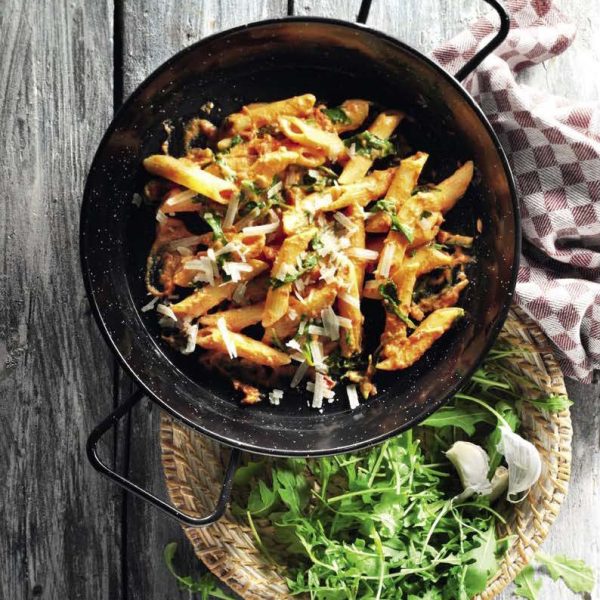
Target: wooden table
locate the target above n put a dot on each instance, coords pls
(65, 66)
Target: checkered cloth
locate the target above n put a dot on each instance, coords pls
(553, 146)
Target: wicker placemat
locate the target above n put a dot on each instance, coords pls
(193, 466)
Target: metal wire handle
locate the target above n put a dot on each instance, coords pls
(479, 57)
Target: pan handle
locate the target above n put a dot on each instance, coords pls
(477, 58)
(130, 486)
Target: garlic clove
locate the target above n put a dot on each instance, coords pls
(523, 460)
(472, 464)
(499, 483)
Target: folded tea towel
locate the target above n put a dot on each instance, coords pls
(553, 145)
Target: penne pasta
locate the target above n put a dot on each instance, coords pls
(246, 347)
(306, 230)
(188, 174)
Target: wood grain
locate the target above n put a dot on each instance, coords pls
(153, 31)
(59, 519)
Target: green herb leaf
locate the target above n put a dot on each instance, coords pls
(553, 404)
(425, 214)
(484, 562)
(577, 576)
(527, 585)
(389, 293)
(214, 223)
(387, 205)
(408, 231)
(337, 115)
(461, 416)
(369, 145)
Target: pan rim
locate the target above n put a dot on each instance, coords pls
(293, 451)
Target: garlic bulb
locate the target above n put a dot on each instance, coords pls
(523, 460)
(472, 463)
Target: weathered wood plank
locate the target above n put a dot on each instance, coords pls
(153, 31)
(59, 518)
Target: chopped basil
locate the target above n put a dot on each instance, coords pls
(427, 187)
(339, 365)
(385, 205)
(235, 140)
(369, 145)
(389, 293)
(337, 115)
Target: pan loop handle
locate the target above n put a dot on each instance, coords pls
(478, 58)
(130, 486)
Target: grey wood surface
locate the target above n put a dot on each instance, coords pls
(66, 533)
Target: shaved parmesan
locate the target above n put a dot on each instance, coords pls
(150, 304)
(294, 345)
(191, 240)
(348, 299)
(258, 229)
(275, 397)
(227, 248)
(385, 263)
(345, 322)
(167, 311)
(239, 293)
(318, 391)
(184, 251)
(352, 150)
(330, 323)
(234, 269)
(316, 330)
(328, 274)
(316, 349)
(363, 253)
(274, 189)
(181, 197)
(160, 216)
(191, 340)
(299, 374)
(231, 213)
(344, 221)
(352, 396)
(227, 339)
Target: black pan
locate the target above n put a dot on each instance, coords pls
(264, 61)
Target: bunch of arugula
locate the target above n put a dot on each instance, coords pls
(385, 523)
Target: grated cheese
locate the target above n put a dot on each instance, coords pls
(385, 263)
(160, 216)
(227, 339)
(181, 197)
(258, 229)
(348, 299)
(318, 391)
(213, 262)
(274, 189)
(330, 323)
(352, 396)
(231, 213)
(239, 293)
(294, 345)
(316, 330)
(363, 253)
(328, 274)
(191, 340)
(299, 374)
(150, 304)
(234, 269)
(345, 322)
(275, 397)
(344, 221)
(167, 311)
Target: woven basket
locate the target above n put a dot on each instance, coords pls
(193, 464)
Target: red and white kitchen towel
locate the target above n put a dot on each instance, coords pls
(553, 146)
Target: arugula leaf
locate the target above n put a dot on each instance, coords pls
(527, 585)
(245, 473)
(369, 145)
(262, 499)
(308, 264)
(409, 232)
(214, 223)
(484, 562)
(578, 577)
(389, 293)
(337, 115)
(552, 404)
(207, 585)
(464, 417)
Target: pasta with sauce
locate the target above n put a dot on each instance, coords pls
(302, 225)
